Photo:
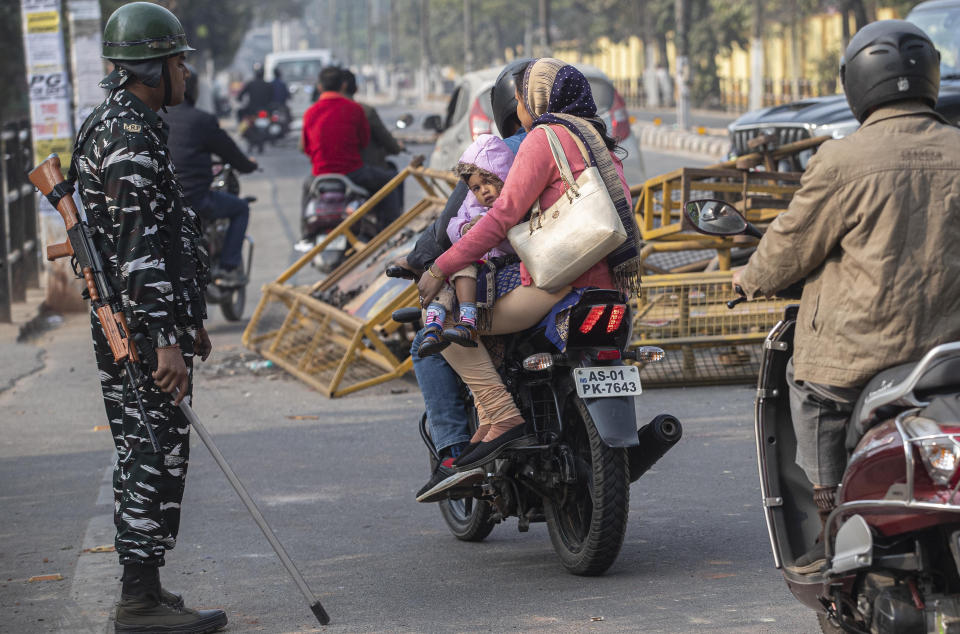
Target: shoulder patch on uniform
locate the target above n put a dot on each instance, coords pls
(132, 127)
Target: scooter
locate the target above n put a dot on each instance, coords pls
(230, 298)
(330, 199)
(580, 405)
(893, 542)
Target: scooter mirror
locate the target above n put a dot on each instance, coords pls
(714, 217)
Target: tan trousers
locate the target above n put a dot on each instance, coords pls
(518, 310)
(448, 293)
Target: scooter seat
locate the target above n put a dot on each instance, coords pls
(941, 374)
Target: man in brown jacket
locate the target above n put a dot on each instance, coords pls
(875, 230)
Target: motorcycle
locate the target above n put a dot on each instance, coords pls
(893, 542)
(279, 116)
(330, 199)
(580, 405)
(256, 131)
(230, 298)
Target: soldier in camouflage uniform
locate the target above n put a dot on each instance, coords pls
(153, 253)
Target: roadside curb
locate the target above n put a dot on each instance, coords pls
(670, 139)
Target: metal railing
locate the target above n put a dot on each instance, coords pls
(19, 241)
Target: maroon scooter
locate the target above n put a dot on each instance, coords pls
(893, 542)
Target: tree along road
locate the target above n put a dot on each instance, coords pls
(336, 479)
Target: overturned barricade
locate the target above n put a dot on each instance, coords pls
(335, 333)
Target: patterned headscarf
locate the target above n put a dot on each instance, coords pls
(555, 92)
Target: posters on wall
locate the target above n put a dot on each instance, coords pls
(47, 79)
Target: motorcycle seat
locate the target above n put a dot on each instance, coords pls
(897, 385)
(326, 183)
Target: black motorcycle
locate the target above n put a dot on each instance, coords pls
(230, 298)
(580, 405)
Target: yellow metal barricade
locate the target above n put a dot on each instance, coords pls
(335, 333)
(686, 314)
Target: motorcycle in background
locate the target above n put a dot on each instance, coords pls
(330, 199)
(580, 404)
(230, 298)
(893, 542)
(256, 131)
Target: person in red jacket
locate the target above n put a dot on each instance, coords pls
(335, 131)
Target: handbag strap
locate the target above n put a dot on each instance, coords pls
(563, 166)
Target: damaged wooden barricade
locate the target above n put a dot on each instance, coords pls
(335, 333)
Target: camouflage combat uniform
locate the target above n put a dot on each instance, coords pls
(145, 233)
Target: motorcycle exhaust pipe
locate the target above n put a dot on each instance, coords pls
(656, 438)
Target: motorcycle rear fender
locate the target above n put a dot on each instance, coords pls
(615, 417)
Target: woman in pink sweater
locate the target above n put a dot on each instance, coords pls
(549, 92)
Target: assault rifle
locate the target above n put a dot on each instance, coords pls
(87, 264)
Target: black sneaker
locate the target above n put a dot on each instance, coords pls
(442, 472)
(443, 488)
(229, 278)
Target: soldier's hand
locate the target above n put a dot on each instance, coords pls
(171, 373)
(202, 345)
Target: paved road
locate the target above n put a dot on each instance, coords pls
(336, 479)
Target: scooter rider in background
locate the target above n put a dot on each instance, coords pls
(153, 254)
(257, 93)
(382, 144)
(194, 136)
(873, 229)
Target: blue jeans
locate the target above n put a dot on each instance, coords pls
(442, 396)
(223, 205)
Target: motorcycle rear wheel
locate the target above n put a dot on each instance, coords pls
(467, 518)
(233, 302)
(587, 519)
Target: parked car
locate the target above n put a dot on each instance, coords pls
(819, 116)
(469, 114)
(300, 70)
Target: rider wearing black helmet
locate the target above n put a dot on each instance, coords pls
(257, 93)
(194, 136)
(873, 230)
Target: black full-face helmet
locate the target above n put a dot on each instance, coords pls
(889, 60)
(503, 96)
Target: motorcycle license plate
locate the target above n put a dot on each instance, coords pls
(601, 382)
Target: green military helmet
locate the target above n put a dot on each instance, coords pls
(141, 31)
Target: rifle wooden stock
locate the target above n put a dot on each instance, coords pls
(45, 177)
(60, 250)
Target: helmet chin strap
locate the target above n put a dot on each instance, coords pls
(167, 92)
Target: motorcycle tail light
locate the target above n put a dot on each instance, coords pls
(619, 117)
(938, 450)
(608, 355)
(479, 121)
(616, 316)
(592, 318)
(538, 361)
(262, 114)
(274, 118)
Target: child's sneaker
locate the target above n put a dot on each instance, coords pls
(432, 342)
(463, 333)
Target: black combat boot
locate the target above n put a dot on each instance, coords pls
(142, 607)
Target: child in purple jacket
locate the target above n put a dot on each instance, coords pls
(484, 166)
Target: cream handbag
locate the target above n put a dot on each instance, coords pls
(560, 244)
